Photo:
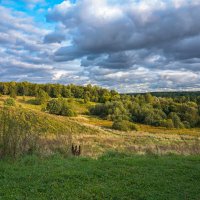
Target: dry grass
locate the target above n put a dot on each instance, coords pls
(137, 142)
(156, 130)
(96, 136)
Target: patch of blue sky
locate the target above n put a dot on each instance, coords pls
(36, 10)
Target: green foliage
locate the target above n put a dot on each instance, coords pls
(88, 93)
(60, 107)
(54, 106)
(154, 116)
(87, 97)
(151, 108)
(111, 110)
(168, 123)
(124, 125)
(149, 98)
(12, 89)
(176, 120)
(9, 102)
(42, 97)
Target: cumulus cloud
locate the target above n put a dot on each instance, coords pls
(108, 26)
(23, 55)
(162, 37)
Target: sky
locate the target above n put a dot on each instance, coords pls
(126, 45)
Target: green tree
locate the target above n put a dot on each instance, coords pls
(86, 97)
(42, 97)
(176, 120)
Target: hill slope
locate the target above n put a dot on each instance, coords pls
(96, 137)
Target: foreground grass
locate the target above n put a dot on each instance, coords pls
(110, 177)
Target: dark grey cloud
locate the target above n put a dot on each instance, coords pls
(126, 26)
(54, 38)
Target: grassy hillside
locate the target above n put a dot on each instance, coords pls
(96, 136)
(113, 176)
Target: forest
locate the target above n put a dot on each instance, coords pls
(163, 110)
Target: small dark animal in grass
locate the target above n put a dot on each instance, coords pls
(76, 150)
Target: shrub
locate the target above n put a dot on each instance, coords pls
(124, 125)
(168, 123)
(60, 107)
(111, 110)
(9, 102)
(54, 107)
(42, 97)
(66, 110)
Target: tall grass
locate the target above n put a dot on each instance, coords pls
(17, 133)
(23, 132)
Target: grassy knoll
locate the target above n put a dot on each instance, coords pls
(113, 176)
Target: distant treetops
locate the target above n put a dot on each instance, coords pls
(150, 110)
(88, 93)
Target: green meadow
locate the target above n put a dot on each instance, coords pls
(111, 176)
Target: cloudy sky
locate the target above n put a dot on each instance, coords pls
(127, 45)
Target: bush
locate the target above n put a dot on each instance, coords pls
(66, 110)
(123, 125)
(9, 102)
(168, 123)
(54, 107)
(60, 107)
(42, 97)
(111, 110)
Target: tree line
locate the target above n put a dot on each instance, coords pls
(151, 110)
(88, 93)
(172, 112)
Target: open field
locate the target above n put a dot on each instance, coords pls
(114, 176)
(96, 136)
